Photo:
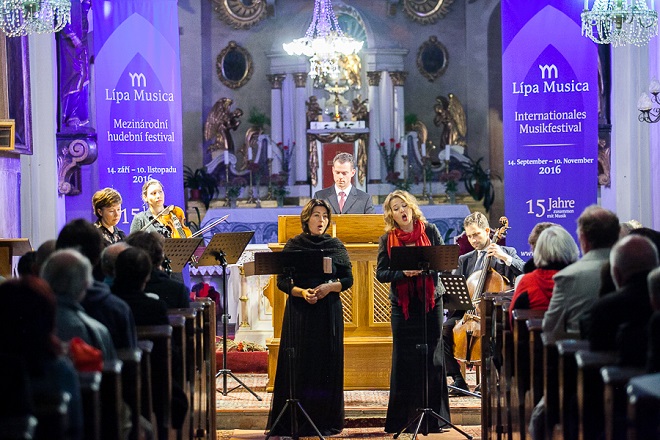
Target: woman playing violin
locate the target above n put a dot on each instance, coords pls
(107, 208)
(156, 218)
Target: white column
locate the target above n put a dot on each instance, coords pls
(654, 71)
(386, 115)
(300, 127)
(276, 112)
(42, 208)
(398, 127)
(374, 163)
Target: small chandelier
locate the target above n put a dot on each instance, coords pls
(620, 22)
(24, 17)
(324, 42)
(647, 112)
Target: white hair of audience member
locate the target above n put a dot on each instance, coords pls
(555, 245)
(628, 226)
(631, 255)
(69, 274)
(653, 280)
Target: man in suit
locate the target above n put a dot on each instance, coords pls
(505, 261)
(343, 197)
(577, 285)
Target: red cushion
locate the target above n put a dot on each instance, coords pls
(244, 361)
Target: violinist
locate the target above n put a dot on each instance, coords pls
(107, 208)
(157, 218)
(505, 261)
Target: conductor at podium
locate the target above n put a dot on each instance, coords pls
(343, 197)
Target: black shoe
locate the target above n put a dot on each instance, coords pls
(461, 384)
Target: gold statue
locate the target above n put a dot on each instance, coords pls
(314, 110)
(359, 109)
(450, 114)
(219, 123)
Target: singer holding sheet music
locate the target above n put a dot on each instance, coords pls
(314, 310)
(154, 196)
(412, 296)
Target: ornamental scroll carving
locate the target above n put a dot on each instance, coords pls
(72, 152)
(241, 14)
(426, 11)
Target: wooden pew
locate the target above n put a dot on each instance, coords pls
(615, 380)
(51, 411)
(179, 374)
(161, 374)
(522, 362)
(644, 407)
(146, 394)
(90, 391)
(506, 377)
(550, 385)
(590, 392)
(535, 328)
(200, 385)
(131, 380)
(568, 386)
(111, 401)
(17, 420)
(210, 369)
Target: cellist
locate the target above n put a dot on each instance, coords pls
(505, 261)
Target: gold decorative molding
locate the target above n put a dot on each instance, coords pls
(241, 14)
(398, 78)
(362, 161)
(374, 78)
(276, 80)
(426, 11)
(300, 79)
(234, 66)
(313, 159)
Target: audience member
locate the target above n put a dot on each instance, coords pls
(631, 260)
(108, 259)
(27, 332)
(174, 293)
(27, 264)
(69, 274)
(576, 286)
(99, 302)
(43, 252)
(532, 240)
(653, 357)
(554, 250)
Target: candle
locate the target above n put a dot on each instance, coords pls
(586, 4)
(423, 149)
(447, 152)
(226, 157)
(269, 150)
(404, 147)
(249, 154)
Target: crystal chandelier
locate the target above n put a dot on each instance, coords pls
(647, 112)
(324, 42)
(23, 17)
(620, 22)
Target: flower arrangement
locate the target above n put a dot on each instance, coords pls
(389, 156)
(451, 179)
(234, 186)
(280, 183)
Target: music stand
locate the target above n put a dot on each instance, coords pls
(225, 249)
(425, 258)
(309, 262)
(180, 250)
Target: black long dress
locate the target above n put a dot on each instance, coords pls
(317, 335)
(407, 375)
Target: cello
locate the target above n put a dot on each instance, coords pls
(467, 332)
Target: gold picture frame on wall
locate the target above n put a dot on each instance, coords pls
(234, 66)
(432, 59)
(7, 134)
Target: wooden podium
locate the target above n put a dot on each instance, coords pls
(367, 331)
(10, 248)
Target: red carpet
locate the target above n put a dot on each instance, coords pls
(244, 361)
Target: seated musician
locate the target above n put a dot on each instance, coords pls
(505, 261)
(107, 208)
(154, 196)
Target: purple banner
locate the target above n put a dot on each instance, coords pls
(138, 99)
(550, 116)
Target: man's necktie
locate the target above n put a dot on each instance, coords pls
(342, 200)
(480, 260)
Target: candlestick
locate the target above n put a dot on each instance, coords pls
(269, 196)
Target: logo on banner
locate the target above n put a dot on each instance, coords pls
(550, 85)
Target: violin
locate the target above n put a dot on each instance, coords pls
(467, 332)
(174, 220)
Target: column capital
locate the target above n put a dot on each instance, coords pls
(398, 78)
(374, 78)
(300, 79)
(276, 80)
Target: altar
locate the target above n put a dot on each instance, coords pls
(263, 221)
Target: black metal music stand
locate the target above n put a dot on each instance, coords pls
(308, 262)
(425, 258)
(180, 250)
(226, 249)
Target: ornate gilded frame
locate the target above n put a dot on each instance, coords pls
(228, 56)
(426, 11)
(241, 14)
(428, 59)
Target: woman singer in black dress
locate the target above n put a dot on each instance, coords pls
(412, 297)
(314, 312)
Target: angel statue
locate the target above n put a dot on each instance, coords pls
(450, 114)
(219, 123)
(314, 109)
(359, 109)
